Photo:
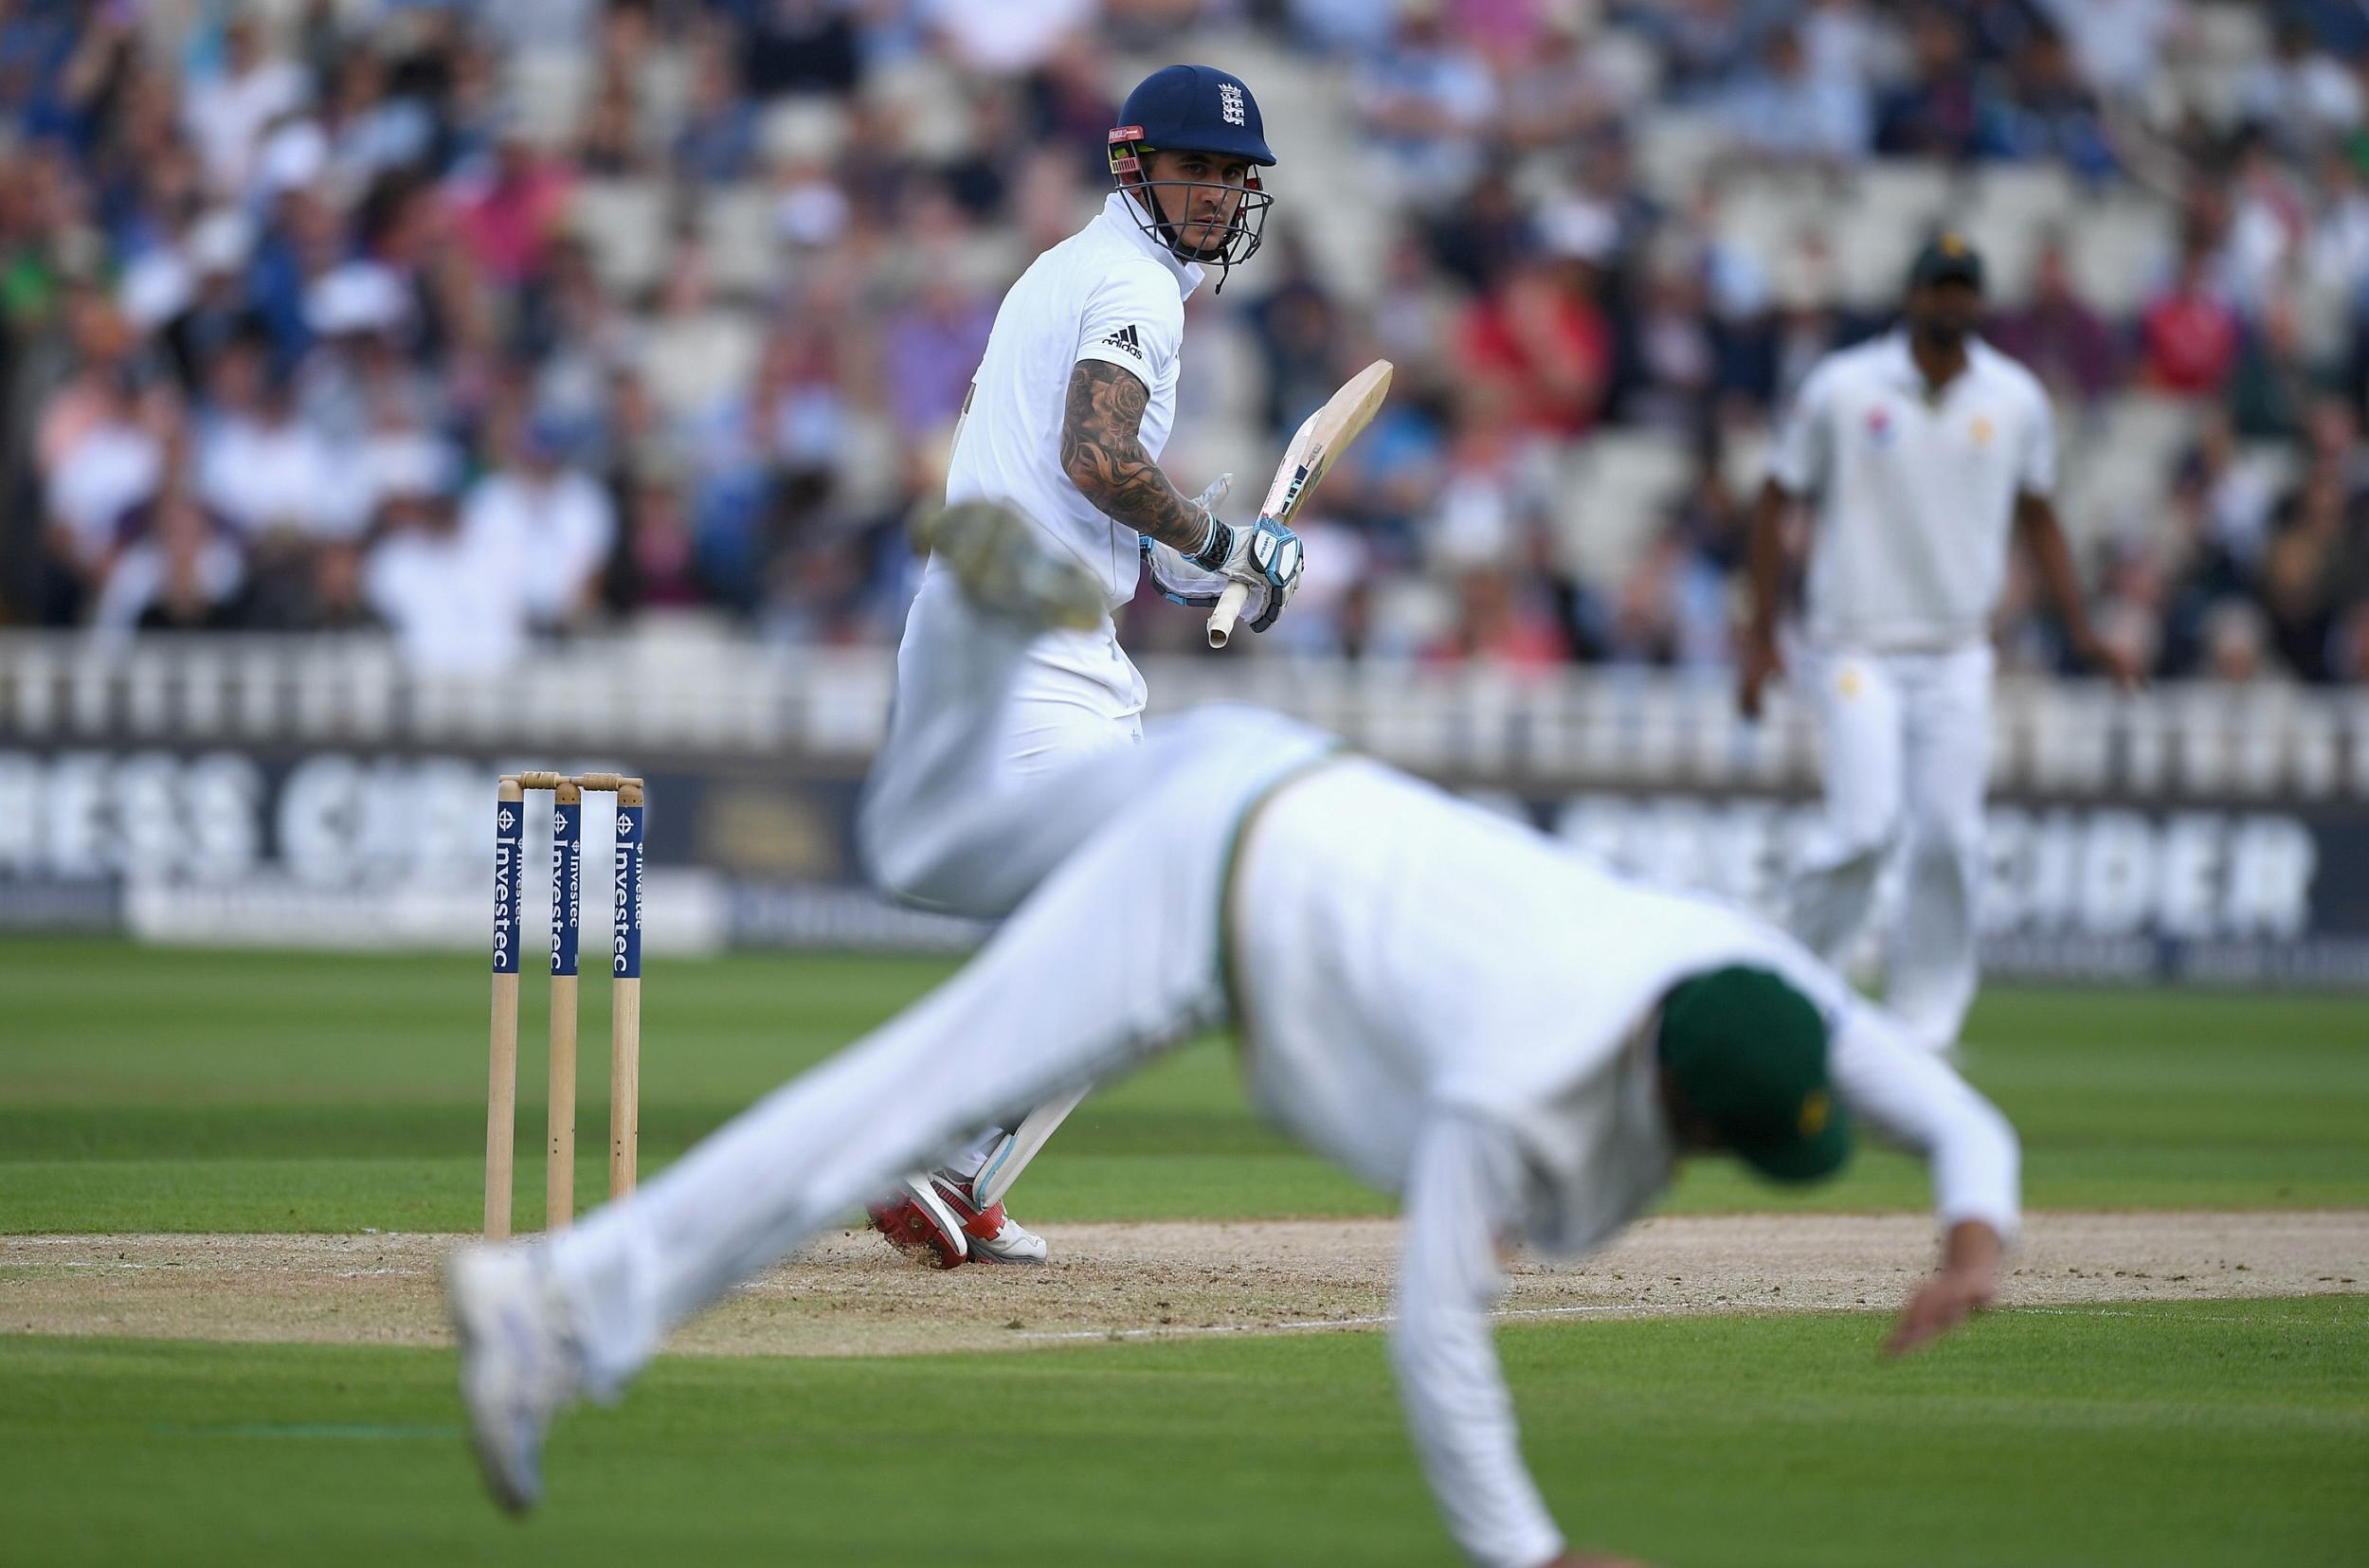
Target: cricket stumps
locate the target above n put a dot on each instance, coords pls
(625, 1074)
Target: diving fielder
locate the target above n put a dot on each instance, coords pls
(1065, 422)
(1517, 1042)
(1923, 451)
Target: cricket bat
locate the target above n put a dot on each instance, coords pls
(1319, 439)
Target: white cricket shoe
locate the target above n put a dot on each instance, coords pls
(518, 1363)
(1008, 567)
(995, 1236)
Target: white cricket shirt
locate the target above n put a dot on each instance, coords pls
(1109, 292)
(1463, 1012)
(1915, 493)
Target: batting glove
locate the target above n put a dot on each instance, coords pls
(1267, 557)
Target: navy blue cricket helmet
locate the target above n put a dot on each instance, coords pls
(1194, 109)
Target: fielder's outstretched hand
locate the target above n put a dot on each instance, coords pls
(1941, 1304)
(1967, 1281)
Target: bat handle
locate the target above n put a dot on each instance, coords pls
(1221, 619)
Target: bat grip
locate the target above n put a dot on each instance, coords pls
(1221, 619)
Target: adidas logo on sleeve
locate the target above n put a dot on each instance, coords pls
(1124, 338)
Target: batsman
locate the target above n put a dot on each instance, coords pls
(1064, 423)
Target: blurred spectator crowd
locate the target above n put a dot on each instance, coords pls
(489, 323)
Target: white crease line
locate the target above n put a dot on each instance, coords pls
(2179, 1301)
(123, 1265)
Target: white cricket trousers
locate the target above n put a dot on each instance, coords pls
(983, 710)
(1115, 957)
(1906, 743)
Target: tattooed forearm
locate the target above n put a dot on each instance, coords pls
(1104, 458)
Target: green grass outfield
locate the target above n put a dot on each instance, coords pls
(145, 1091)
(2207, 1433)
(184, 1090)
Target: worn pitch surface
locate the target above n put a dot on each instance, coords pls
(848, 1294)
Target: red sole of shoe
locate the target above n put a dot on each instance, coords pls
(909, 1232)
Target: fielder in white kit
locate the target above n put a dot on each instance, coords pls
(1517, 1041)
(1921, 451)
(1065, 420)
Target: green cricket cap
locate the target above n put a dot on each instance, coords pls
(1747, 1053)
(1946, 259)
